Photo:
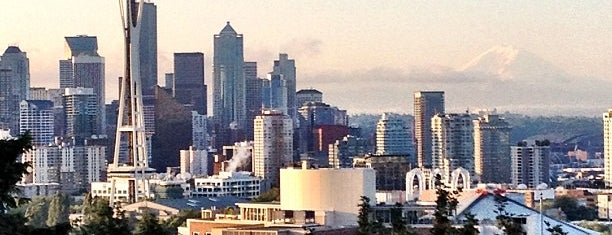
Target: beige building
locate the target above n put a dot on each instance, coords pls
(607, 122)
(273, 145)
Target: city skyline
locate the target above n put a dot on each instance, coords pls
(404, 46)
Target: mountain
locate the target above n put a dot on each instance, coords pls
(509, 63)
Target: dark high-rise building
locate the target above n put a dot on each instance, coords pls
(492, 149)
(426, 105)
(253, 96)
(84, 67)
(148, 48)
(80, 105)
(189, 88)
(229, 106)
(316, 114)
(14, 86)
(36, 116)
(173, 124)
(286, 67)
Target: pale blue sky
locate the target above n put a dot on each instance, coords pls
(324, 36)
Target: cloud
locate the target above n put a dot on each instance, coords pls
(300, 47)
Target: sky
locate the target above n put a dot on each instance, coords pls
(365, 56)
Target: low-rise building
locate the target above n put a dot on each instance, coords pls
(239, 184)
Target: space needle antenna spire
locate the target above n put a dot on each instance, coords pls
(130, 167)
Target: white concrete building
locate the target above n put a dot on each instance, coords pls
(273, 145)
(198, 131)
(452, 143)
(607, 130)
(393, 136)
(530, 165)
(239, 184)
(194, 161)
(332, 193)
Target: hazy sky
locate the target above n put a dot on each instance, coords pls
(327, 39)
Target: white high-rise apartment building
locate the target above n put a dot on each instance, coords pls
(194, 161)
(492, 149)
(36, 116)
(452, 143)
(198, 131)
(393, 136)
(273, 145)
(530, 164)
(607, 125)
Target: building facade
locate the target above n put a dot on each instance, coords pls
(189, 88)
(273, 145)
(342, 152)
(607, 130)
(229, 104)
(81, 110)
(238, 184)
(253, 96)
(530, 164)
(194, 161)
(14, 86)
(393, 137)
(426, 105)
(452, 143)
(37, 117)
(286, 68)
(492, 149)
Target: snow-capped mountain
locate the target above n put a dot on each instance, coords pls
(510, 63)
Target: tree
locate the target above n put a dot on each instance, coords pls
(11, 170)
(398, 226)
(37, 212)
(469, 227)
(554, 230)
(271, 195)
(149, 225)
(179, 220)
(504, 218)
(446, 203)
(363, 218)
(99, 218)
(58, 210)
(573, 211)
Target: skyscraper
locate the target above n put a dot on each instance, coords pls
(286, 67)
(607, 129)
(530, 164)
(84, 67)
(393, 137)
(273, 145)
(189, 88)
(452, 143)
(492, 149)
(14, 86)
(148, 48)
(253, 96)
(275, 89)
(308, 95)
(37, 117)
(426, 105)
(80, 105)
(229, 106)
(314, 114)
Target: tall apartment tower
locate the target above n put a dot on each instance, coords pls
(530, 164)
(452, 143)
(14, 86)
(229, 106)
(81, 109)
(426, 105)
(189, 88)
(393, 136)
(148, 48)
(253, 96)
(275, 93)
(286, 67)
(273, 145)
(607, 128)
(492, 149)
(84, 67)
(37, 117)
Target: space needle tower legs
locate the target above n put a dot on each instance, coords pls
(130, 166)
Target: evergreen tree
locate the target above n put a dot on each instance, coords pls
(363, 218)
(37, 212)
(504, 218)
(11, 170)
(149, 225)
(58, 210)
(469, 227)
(99, 218)
(398, 226)
(446, 203)
(554, 230)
